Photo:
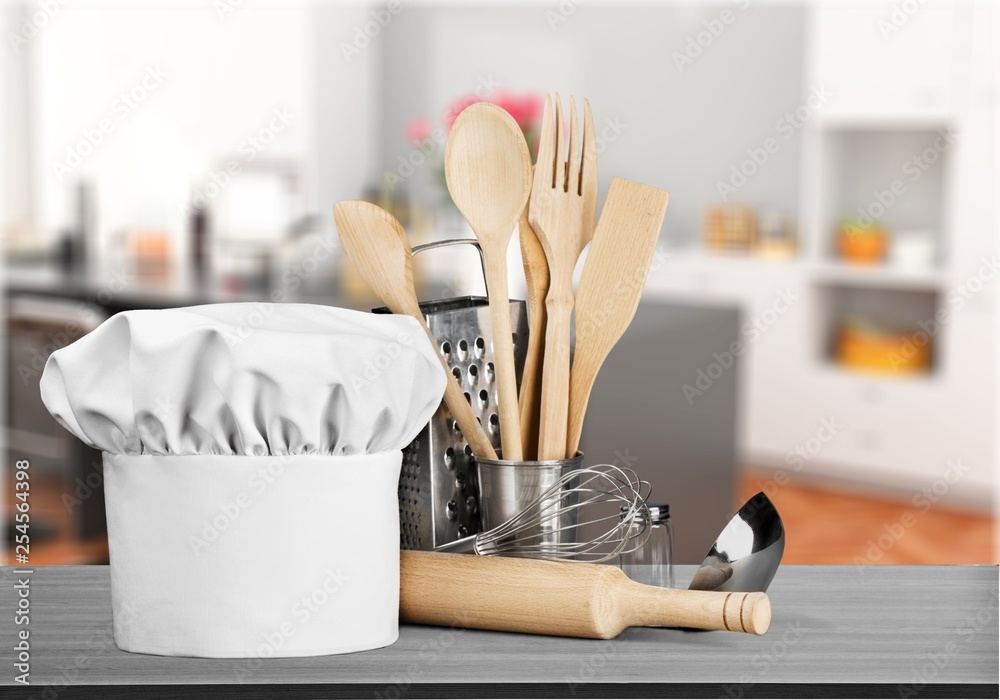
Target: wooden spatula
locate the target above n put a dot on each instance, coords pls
(380, 250)
(611, 285)
(560, 598)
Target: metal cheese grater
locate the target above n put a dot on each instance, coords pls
(438, 495)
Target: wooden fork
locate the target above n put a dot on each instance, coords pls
(563, 213)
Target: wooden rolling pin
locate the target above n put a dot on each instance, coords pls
(559, 598)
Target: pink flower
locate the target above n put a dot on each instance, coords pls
(510, 104)
(532, 105)
(456, 108)
(418, 130)
(525, 109)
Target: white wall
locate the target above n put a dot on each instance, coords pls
(348, 105)
(16, 185)
(222, 78)
(684, 129)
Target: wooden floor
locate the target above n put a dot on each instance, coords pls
(62, 547)
(825, 524)
(830, 524)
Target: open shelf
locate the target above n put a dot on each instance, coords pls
(879, 311)
(894, 176)
(882, 122)
(877, 276)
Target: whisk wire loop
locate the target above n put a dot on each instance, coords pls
(547, 527)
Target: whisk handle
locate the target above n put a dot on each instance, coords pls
(465, 545)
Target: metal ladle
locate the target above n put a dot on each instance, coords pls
(747, 553)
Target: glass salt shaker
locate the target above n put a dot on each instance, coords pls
(652, 562)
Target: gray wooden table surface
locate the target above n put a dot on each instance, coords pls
(843, 631)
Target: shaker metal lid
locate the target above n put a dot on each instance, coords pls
(658, 512)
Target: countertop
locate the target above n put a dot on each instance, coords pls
(837, 631)
(117, 289)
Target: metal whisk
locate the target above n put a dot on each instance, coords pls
(546, 528)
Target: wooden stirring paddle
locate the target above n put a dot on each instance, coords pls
(380, 250)
(536, 275)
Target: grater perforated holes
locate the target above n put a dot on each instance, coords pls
(448, 474)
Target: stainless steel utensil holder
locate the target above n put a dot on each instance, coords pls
(438, 493)
(507, 488)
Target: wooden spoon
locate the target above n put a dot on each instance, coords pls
(488, 170)
(611, 285)
(536, 274)
(377, 245)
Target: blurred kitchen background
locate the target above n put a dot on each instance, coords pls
(820, 319)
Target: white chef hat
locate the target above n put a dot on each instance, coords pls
(246, 379)
(251, 459)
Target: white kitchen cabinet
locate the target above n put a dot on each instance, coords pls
(881, 62)
(896, 86)
(891, 95)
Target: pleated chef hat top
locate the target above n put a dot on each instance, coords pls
(246, 379)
